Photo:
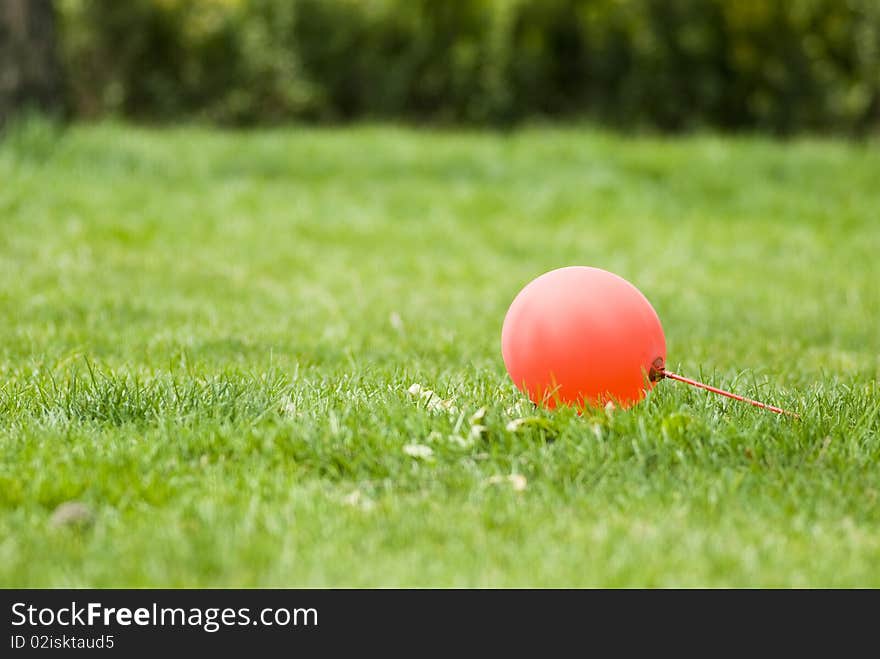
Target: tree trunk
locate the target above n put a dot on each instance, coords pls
(30, 77)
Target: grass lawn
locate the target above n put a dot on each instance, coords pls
(208, 339)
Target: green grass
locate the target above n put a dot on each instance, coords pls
(208, 339)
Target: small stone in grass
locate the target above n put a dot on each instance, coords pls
(72, 514)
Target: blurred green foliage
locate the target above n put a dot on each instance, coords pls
(779, 65)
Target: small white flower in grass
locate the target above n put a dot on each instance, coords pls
(288, 408)
(433, 402)
(538, 421)
(477, 430)
(458, 440)
(72, 514)
(357, 500)
(437, 404)
(396, 321)
(517, 482)
(478, 415)
(419, 451)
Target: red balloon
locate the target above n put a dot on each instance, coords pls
(582, 336)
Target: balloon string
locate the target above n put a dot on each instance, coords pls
(694, 383)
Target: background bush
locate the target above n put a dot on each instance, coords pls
(779, 65)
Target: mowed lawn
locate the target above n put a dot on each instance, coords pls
(210, 340)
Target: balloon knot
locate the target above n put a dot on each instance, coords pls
(657, 371)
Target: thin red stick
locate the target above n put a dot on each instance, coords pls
(694, 383)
